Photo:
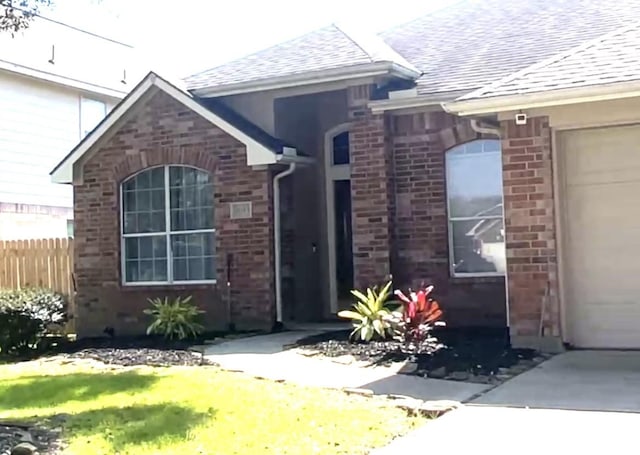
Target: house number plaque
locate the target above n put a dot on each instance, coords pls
(240, 210)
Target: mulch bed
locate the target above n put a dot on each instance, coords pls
(134, 351)
(46, 440)
(462, 354)
(138, 351)
(129, 357)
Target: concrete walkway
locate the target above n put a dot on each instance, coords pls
(264, 356)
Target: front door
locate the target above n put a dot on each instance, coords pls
(340, 243)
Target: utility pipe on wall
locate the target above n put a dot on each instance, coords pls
(277, 236)
(475, 126)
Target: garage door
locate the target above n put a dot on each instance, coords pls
(602, 236)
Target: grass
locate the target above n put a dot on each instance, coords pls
(199, 410)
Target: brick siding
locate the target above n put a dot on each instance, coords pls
(419, 143)
(370, 191)
(530, 226)
(161, 132)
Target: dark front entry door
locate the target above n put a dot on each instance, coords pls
(344, 244)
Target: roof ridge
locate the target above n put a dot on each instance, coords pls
(548, 61)
(353, 40)
(376, 48)
(251, 54)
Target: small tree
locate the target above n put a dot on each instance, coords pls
(16, 15)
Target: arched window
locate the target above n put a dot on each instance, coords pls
(341, 149)
(475, 209)
(167, 226)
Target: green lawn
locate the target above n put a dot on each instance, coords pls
(195, 410)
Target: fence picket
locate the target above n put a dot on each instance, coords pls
(46, 263)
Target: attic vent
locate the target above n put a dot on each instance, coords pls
(240, 210)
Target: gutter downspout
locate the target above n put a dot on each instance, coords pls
(276, 237)
(475, 126)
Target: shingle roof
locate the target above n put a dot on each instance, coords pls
(327, 48)
(458, 49)
(475, 42)
(614, 57)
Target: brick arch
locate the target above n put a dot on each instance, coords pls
(197, 157)
(459, 133)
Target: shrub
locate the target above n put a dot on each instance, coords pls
(419, 315)
(174, 319)
(370, 314)
(26, 316)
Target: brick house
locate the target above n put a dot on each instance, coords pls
(272, 185)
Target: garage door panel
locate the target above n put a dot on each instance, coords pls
(602, 236)
(594, 164)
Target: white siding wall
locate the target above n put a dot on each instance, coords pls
(39, 125)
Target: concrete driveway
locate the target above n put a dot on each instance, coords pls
(578, 402)
(485, 430)
(578, 380)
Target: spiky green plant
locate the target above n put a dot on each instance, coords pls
(174, 319)
(370, 315)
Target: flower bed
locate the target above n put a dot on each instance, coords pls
(476, 355)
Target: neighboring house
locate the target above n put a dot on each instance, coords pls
(56, 84)
(487, 130)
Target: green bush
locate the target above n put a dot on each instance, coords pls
(174, 319)
(26, 316)
(370, 315)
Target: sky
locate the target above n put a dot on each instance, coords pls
(199, 34)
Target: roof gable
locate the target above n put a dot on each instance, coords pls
(261, 148)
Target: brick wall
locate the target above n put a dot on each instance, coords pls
(530, 226)
(419, 143)
(165, 132)
(371, 187)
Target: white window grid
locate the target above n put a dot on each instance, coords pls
(167, 233)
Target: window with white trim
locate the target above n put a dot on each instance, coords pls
(475, 208)
(167, 226)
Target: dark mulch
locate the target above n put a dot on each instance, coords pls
(479, 351)
(133, 351)
(47, 441)
(127, 351)
(129, 357)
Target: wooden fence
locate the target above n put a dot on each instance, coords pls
(46, 263)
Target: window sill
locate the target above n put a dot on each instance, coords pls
(182, 285)
(477, 278)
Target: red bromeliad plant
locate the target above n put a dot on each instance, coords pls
(419, 315)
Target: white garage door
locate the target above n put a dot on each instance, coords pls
(602, 236)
